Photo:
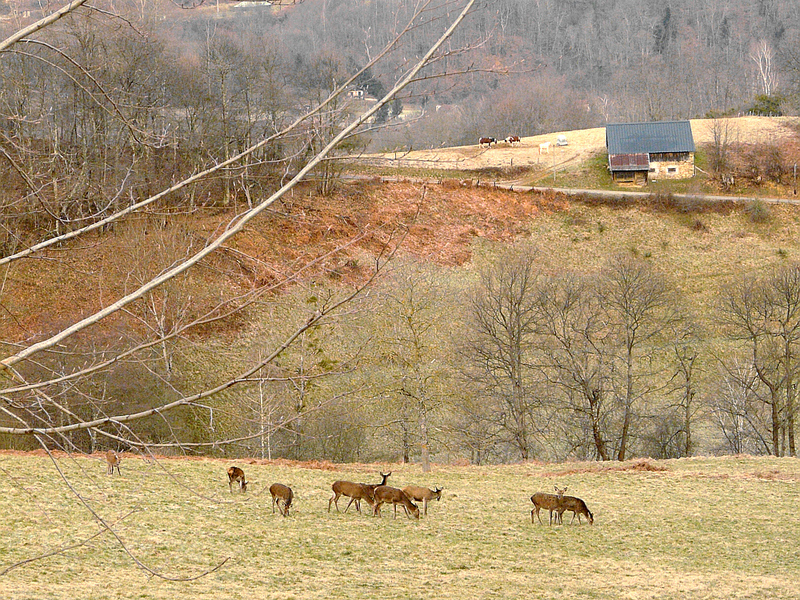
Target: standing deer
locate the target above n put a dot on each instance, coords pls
(384, 494)
(423, 494)
(112, 461)
(551, 502)
(236, 475)
(281, 494)
(356, 492)
(578, 508)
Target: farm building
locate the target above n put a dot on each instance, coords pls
(638, 152)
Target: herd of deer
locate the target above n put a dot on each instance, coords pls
(375, 495)
(378, 494)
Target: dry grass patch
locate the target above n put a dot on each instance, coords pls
(639, 464)
(663, 529)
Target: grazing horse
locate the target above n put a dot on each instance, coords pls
(487, 141)
(512, 139)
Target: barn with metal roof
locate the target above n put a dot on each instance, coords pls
(639, 152)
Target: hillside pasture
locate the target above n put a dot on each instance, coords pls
(692, 528)
(582, 145)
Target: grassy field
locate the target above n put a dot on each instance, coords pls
(694, 528)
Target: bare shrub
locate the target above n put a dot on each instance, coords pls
(757, 211)
(774, 168)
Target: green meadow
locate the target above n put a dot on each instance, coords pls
(691, 528)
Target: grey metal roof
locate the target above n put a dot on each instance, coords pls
(661, 136)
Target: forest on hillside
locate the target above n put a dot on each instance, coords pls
(94, 110)
(124, 127)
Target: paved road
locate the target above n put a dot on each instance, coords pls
(636, 194)
(582, 192)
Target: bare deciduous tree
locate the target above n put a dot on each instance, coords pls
(577, 352)
(762, 55)
(763, 313)
(410, 342)
(504, 320)
(636, 300)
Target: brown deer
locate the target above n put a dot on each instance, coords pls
(423, 494)
(112, 462)
(356, 492)
(236, 475)
(385, 494)
(578, 508)
(549, 501)
(281, 494)
(372, 486)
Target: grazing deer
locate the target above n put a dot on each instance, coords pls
(112, 461)
(551, 502)
(355, 491)
(423, 494)
(578, 508)
(281, 494)
(384, 494)
(236, 475)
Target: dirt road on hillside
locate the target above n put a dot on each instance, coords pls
(582, 144)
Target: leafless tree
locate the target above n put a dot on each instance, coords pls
(410, 341)
(723, 133)
(762, 55)
(637, 302)
(504, 319)
(736, 409)
(577, 351)
(685, 381)
(763, 313)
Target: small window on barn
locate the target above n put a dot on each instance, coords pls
(652, 169)
(672, 169)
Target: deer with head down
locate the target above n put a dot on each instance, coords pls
(385, 494)
(236, 475)
(578, 508)
(423, 494)
(112, 462)
(551, 502)
(281, 495)
(356, 492)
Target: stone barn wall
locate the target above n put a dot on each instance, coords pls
(670, 167)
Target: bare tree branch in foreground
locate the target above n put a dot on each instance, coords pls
(243, 220)
(44, 435)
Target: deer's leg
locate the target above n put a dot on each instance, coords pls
(349, 503)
